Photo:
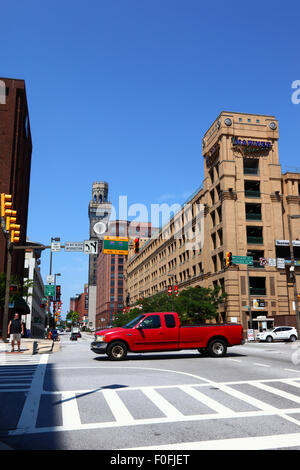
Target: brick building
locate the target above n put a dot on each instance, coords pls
(15, 163)
(112, 295)
(242, 207)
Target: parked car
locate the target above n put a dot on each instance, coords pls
(280, 333)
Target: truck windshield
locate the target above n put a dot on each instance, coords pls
(134, 322)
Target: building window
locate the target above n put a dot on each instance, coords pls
(257, 285)
(254, 235)
(252, 189)
(253, 211)
(251, 166)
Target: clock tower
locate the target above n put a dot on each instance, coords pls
(99, 213)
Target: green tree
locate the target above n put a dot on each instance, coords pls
(199, 304)
(193, 305)
(73, 316)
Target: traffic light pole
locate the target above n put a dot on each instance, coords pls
(10, 248)
(7, 285)
(293, 272)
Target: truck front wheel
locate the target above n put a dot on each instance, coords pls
(117, 351)
(217, 348)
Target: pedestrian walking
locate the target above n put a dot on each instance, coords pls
(15, 330)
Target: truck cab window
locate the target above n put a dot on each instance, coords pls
(153, 321)
(170, 321)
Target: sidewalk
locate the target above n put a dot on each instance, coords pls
(30, 346)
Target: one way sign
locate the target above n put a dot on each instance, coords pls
(90, 247)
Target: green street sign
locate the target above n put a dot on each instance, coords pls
(49, 290)
(242, 260)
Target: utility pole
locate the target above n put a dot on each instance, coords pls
(293, 272)
(7, 286)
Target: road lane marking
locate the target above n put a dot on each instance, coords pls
(261, 365)
(30, 410)
(276, 441)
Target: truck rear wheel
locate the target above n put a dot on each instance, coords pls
(217, 348)
(117, 351)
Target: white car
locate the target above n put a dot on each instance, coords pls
(283, 333)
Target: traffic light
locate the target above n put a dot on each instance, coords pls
(57, 293)
(6, 204)
(15, 236)
(176, 291)
(228, 259)
(170, 290)
(10, 223)
(136, 245)
(13, 288)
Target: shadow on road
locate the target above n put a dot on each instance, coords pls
(166, 356)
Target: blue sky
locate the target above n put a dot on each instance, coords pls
(123, 91)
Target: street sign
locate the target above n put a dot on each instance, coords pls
(250, 335)
(74, 246)
(259, 304)
(50, 279)
(90, 247)
(49, 290)
(55, 246)
(242, 260)
(263, 261)
(280, 263)
(272, 262)
(115, 245)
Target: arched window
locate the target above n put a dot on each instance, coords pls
(2, 92)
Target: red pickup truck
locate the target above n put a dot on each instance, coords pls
(156, 332)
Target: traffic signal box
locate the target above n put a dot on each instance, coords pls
(10, 214)
(176, 291)
(170, 290)
(57, 293)
(6, 204)
(136, 245)
(228, 259)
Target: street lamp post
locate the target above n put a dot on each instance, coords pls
(293, 272)
(249, 253)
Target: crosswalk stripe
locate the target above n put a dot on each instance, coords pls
(248, 399)
(210, 402)
(70, 412)
(276, 391)
(117, 406)
(160, 402)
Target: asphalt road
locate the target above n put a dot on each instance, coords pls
(75, 399)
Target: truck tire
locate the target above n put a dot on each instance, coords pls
(269, 339)
(117, 351)
(217, 348)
